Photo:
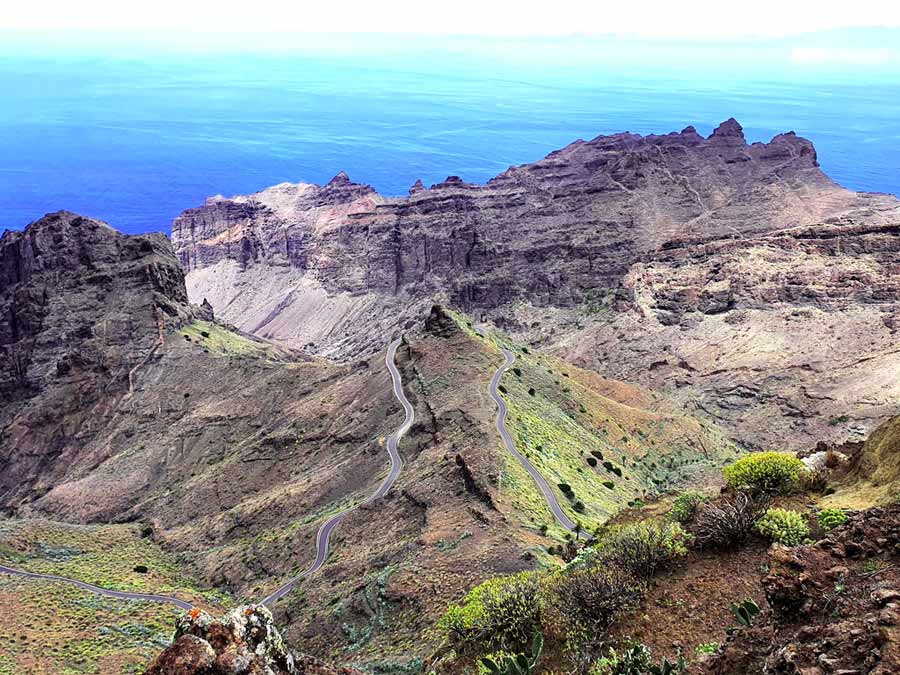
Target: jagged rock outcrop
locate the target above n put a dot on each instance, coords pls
(736, 276)
(243, 642)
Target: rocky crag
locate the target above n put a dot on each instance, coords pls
(243, 642)
(736, 276)
(83, 308)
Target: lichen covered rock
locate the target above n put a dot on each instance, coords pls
(243, 642)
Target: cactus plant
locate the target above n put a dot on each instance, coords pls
(669, 668)
(745, 612)
(520, 664)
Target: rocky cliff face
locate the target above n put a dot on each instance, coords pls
(742, 260)
(549, 231)
(83, 307)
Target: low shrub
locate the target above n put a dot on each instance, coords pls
(642, 548)
(635, 660)
(501, 613)
(685, 506)
(765, 472)
(580, 604)
(786, 527)
(829, 519)
(726, 523)
(502, 663)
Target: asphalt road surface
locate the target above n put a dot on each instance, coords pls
(542, 483)
(121, 595)
(322, 538)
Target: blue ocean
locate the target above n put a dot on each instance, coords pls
(135, 135)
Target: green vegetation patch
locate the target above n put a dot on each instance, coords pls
(220, 341)
(768, 472)
(790, 528)
(49, 627)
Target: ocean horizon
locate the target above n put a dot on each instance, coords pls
(133, 137)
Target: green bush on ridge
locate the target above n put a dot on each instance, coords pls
(829, 519)
(685, 506)
(502, 613)
(765, 472)
(786, 527)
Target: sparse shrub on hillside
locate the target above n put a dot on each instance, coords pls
(592, 461)
(726, 523)
(786, 527)
(669, 668)
(765, 472)
(642, 548)
(513, 664)
(609, 484)
(580, 604)
(635, 660)
(501, 613)
(684, 508)
(829, 519)
(814, 480)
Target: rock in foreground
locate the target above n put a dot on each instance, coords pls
(244, 641)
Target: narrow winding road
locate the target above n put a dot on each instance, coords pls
(323, 537)
(121, 595)
(542, 483)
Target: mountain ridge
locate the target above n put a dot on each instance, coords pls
(588, 237)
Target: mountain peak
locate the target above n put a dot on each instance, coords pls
(730, 128)
(339, 180)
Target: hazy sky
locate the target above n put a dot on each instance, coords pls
(666, 18)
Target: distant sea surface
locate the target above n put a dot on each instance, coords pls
(135, 139)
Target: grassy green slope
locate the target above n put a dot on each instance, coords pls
(49, 627)
(611, 442)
